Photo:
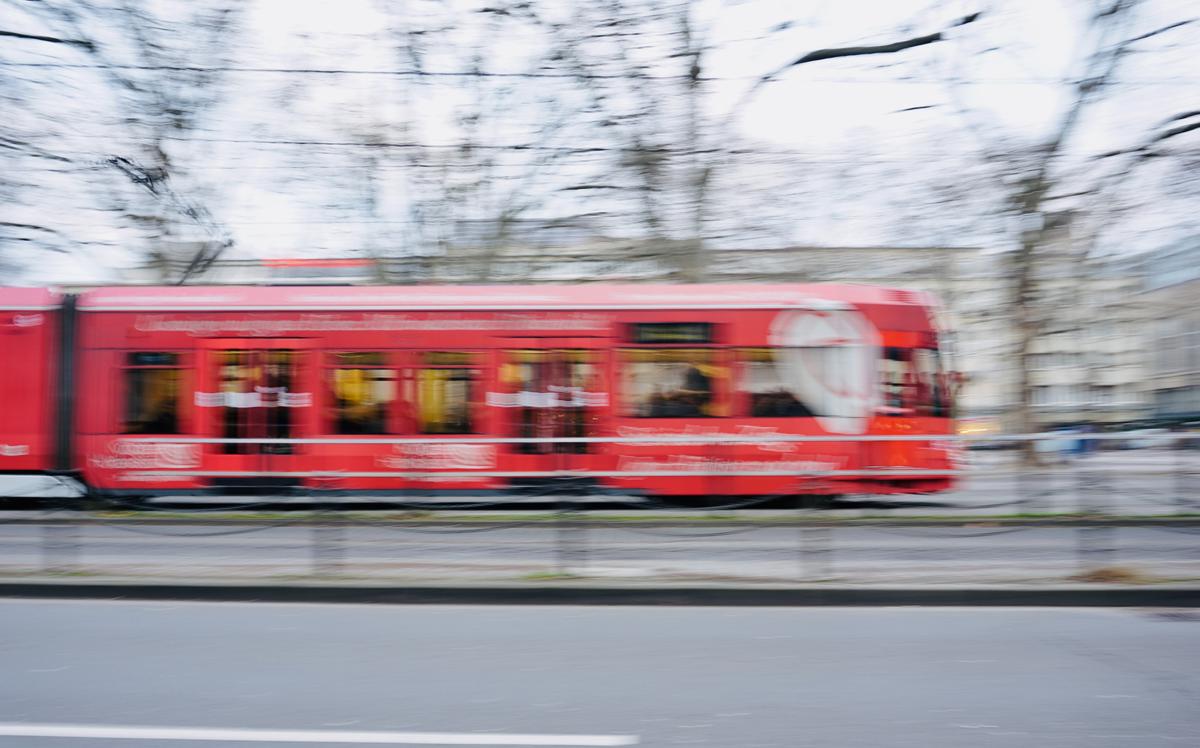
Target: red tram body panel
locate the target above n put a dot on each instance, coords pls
(380, 389)
(28, 345)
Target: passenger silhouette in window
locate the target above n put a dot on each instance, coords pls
(686, 401)
(698, 384)
(778, 404)
(769, 386)
(677, 404)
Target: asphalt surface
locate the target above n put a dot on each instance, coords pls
(977, 554)
(735, 678)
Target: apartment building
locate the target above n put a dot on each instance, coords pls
(1172, 291)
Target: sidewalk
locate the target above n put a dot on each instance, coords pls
(767, 560)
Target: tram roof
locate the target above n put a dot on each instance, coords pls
(487, 298)
(21, 299)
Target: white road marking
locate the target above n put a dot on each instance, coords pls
(145, 732)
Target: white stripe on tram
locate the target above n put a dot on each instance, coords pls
(258, 735)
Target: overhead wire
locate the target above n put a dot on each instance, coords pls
(555, 75)
(462, 528)
(686, 534)
(257, 527)
(951, 534)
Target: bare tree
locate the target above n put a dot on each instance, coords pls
(1032, 174)
(155, 77)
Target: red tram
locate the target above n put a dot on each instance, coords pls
(655, 390)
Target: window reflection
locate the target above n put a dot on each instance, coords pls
(446, 393)
(913, 383)
(769, 393)
(363, 389)
(151, 393)
(551, 392)
(671, 382)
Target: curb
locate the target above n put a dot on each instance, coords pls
(302, 520)
(563, 594)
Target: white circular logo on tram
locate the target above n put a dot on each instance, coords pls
(829, 358)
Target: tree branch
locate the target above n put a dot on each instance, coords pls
(1144, 149)
(1176, 131)
(833, 53)
(1156, 32)
(51, 39)
(30, 226)
(1177, 117)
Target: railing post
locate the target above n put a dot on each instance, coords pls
(1094, 547)
(816, 552)
(60, 547)
(327, 546)
(1036, 484)
(1026, 485)
(1090, 484)
(1184, 484)
(571, 540)
(1095, 544)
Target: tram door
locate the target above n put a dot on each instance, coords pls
(255, 390)
(553, 392)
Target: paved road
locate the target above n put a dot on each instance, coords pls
(972, 554)
(735, 678)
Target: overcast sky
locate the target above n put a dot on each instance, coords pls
(275, 201)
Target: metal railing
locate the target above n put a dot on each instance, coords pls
(326, 544)
(1092, 504)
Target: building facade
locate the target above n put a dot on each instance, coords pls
(1172, 293)
(1088, 364)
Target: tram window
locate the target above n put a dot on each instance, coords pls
(931, 393)
(551, 391)
(151, 393)
(549, 378)
(913, 383)
(896, 374)
(672, 383)
(766, 388)
(363, 389)
(446, 393)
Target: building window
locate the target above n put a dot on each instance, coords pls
(446, 392)
(151, 393)
(672, 382)
(765, 388)
(362, 390)
(1068, 394)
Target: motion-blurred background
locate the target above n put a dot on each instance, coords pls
(1033, 163)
